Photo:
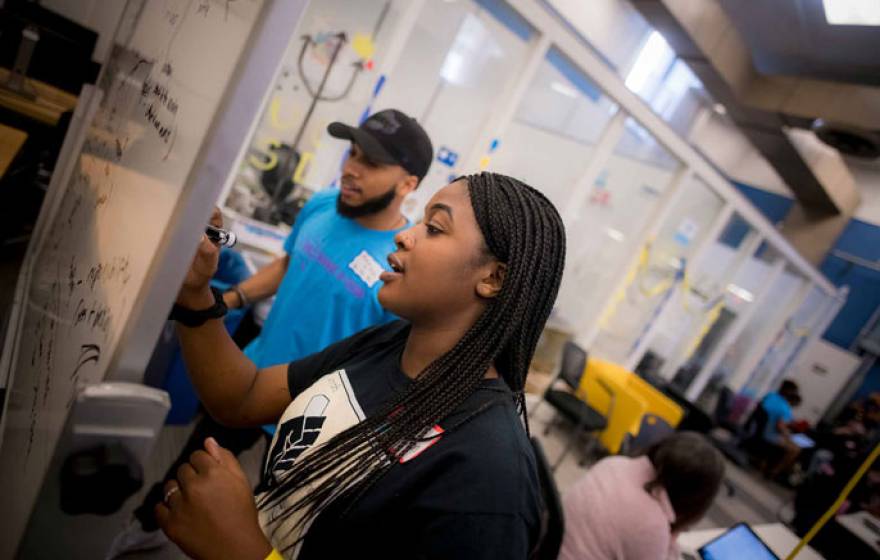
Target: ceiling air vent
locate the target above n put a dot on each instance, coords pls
(848, 140)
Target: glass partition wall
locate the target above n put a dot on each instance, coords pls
(700, 311)
(457, 62)
(607, 220)
(764, 292)
(790, 332)
(554, 131)
(661, 275)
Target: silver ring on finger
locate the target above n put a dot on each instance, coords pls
(169, 493)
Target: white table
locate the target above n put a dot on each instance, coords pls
(855, 524)
(777, 536)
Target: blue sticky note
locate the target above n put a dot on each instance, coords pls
(446, 156)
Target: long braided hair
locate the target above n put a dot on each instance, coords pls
(521, 229)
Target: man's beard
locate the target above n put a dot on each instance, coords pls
(371, 206)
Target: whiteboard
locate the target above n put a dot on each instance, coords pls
(183, 82)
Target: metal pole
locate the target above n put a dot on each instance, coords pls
(341, 39)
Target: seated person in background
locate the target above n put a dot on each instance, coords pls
(633, 508)
(778, 407)
(860, 419)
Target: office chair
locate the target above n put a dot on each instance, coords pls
(753, 442)
(652, 429)
(568, 405)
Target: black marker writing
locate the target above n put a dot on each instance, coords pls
(153, 119)
(88, 353)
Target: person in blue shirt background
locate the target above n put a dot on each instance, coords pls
(326, 283)
(778, 407)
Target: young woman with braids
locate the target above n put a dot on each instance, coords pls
(403, 441)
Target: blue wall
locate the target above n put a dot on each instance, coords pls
(509, 17)
(774, 207)
(859, 239)
(862, 240)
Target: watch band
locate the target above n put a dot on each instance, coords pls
(196, 318)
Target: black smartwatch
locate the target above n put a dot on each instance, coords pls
(193, 318)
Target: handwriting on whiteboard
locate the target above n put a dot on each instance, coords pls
(83, 283)
(73, 306)
(204, 8)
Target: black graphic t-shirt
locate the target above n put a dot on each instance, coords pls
(471, 493)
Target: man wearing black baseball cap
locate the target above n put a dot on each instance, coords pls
(326, 283)
(390, 154)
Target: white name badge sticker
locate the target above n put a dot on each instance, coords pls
(367, 268)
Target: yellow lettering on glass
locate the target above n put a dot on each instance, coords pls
(275, 118)
(301, 166)
(269, 158)
(363, 45)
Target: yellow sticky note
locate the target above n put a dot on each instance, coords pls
(363, 45)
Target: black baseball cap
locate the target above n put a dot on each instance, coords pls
(390, 137)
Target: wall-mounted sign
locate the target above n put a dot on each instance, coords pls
(446, 156)
(686, 232)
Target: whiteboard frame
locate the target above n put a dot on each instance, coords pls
(214, 165)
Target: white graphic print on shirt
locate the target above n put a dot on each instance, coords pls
(320, 412)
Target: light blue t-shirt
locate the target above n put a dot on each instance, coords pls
(329, 291)
(777, 409)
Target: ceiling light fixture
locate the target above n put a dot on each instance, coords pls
(852, 12)
(741, 293)
(565, 90)
(615, 234)
(653, 59)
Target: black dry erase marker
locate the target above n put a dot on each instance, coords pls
(220, 237)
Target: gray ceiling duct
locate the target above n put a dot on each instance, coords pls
(767, 108)
(851, 141)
